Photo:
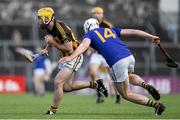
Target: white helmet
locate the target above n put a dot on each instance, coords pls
(90, 24)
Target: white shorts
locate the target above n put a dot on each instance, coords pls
(98, 59)
(39, 72)
(119, 71)
(75, 64)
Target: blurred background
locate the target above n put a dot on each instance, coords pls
(18, 28)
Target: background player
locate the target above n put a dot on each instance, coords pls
(41, 72)
(61, 37)
(120, 59)
(42, 69)
(98, 66)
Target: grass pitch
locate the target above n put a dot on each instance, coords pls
(28, 106)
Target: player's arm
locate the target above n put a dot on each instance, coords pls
(67, 37)
(50, 40)
(67, 46)
(79, 50)
(140, 33)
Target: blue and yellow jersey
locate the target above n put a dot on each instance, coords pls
(40, 62)
(108, 43)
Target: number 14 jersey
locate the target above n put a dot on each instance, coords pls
(108, 43)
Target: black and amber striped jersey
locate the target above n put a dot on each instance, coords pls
(105, 24)
(62, 33)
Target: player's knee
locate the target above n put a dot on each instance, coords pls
(67, 87)
(134, 76)
(125, 95)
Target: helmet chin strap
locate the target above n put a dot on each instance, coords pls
(46, 24)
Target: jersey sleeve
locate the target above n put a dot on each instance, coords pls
(118, 31)
(86, 36)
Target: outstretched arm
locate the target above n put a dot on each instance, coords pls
(140, 33)
(81, 48)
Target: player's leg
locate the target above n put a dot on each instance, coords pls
(121, 80)
(41, 86)
(118, 97)
(138, 81)
(75, 65)
(112, 89)
(66, 72)
(71, 85)
(76, 85)
(38, 80)
(59, 81)
(36, 84)
(123, 88)
(63, 82)
(94, 66)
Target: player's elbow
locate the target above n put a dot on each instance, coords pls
(86, 43)
(86, 47)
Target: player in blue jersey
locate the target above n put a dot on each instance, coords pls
(97, 61)
(119, 58)
(42, 69)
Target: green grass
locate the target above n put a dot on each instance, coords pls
(28, 106)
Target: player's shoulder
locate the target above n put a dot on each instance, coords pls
(89, 34)
(59, 21)
(61, 24)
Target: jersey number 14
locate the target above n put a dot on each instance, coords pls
(107, 34)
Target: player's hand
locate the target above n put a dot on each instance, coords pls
(156, 39)
(65, 59)
(49, 40)
(44, 52)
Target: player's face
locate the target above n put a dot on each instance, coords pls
(41, 24)
(98, 16)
